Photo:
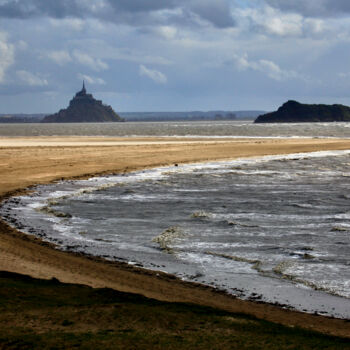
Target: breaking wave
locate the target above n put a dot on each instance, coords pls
(167, 238)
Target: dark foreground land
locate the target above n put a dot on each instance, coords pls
(47, 314)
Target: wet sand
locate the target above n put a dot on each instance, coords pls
(25, 162)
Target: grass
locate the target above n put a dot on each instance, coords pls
(47, 314)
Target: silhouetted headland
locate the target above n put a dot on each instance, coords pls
(295, 112)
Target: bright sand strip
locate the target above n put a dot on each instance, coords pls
(28, 161)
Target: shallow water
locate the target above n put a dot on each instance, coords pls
(273, 228)
(181, 128)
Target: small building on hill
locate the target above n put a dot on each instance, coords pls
(83, 108)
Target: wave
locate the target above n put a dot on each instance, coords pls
(48, 210)
(281, 271)
(256, 264)
(167, 237)
(201, 214)
(340, 229)
(235, 223)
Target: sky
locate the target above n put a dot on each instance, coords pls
(173, 55)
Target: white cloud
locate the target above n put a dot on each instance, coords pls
(91, 62)
(30, 78)
(7, 56)
(166, 32)
(69, 23)
(273, 71)
(272, 21)
(134, 55)
(60, 57)
(155, 75)
(314, 26)
(91, 80)
(285, 26)
(267, 67)
(131, 52)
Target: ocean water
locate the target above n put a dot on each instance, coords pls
(273, 229)
(181, 128)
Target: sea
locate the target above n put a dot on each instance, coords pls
(272, 229)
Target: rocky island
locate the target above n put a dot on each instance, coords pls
(295, 112)
(83, 108)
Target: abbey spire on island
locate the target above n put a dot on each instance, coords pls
(84, 108)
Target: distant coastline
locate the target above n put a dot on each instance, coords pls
(147, 116)
(21, 118)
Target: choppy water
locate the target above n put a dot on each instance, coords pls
(181, 128)
(272, 228)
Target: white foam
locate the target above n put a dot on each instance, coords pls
(33, 205)
(163, 172)
(343, 216)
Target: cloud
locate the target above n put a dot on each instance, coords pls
(7, 56)
(130, 53)
(141, 5)
(134, 55)
(162, 12)
(35, 8)
(273, 21)
(21, 45)
(267, 67)
(87, 60)
(314, 26)
(155, 75)
(133, 12)
(165, 32)
(76, 24)
(280, 24)
(313, 8)
(31, 79)
(91, 80)
(216, 12)
(60, 57)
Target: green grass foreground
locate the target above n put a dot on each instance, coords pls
(47, 314)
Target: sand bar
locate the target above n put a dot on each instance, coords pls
(29, 161)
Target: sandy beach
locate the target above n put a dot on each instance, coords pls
(26, 161)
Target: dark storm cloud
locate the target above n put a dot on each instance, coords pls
(141, 5)
(216, 12)
(133, 12)
(313, 8)
(33, 8)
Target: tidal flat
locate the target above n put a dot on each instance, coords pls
(27, 165)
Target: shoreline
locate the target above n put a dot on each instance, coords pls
(29, 255)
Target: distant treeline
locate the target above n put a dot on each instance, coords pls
(148, 116)
(190, 116)
(21, 118)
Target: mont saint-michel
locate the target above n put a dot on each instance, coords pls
(84, 108)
